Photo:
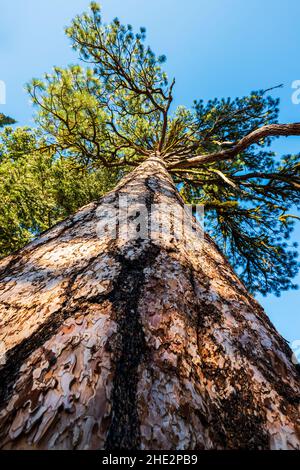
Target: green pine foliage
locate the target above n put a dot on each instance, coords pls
(249, 201)
(38, 188)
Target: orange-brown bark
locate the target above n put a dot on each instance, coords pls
(148, 343)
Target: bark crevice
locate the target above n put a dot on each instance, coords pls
(124, 430)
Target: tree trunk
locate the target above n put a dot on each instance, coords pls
(138, 343)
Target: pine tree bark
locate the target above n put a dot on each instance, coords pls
(138, 344)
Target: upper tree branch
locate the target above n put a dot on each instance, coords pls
(245, 142)
(165, 118)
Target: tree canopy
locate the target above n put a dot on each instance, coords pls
(115, 109)
(38, 188)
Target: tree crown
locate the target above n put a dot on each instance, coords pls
(116, 109)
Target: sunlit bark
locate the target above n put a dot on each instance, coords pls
(152, 344)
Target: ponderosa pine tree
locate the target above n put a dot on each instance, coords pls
(143, 338)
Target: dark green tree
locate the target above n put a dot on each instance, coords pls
(5, 120)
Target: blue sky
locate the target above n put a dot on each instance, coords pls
(215, 48)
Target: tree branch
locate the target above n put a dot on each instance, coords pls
(165, 117)
(245, 142)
